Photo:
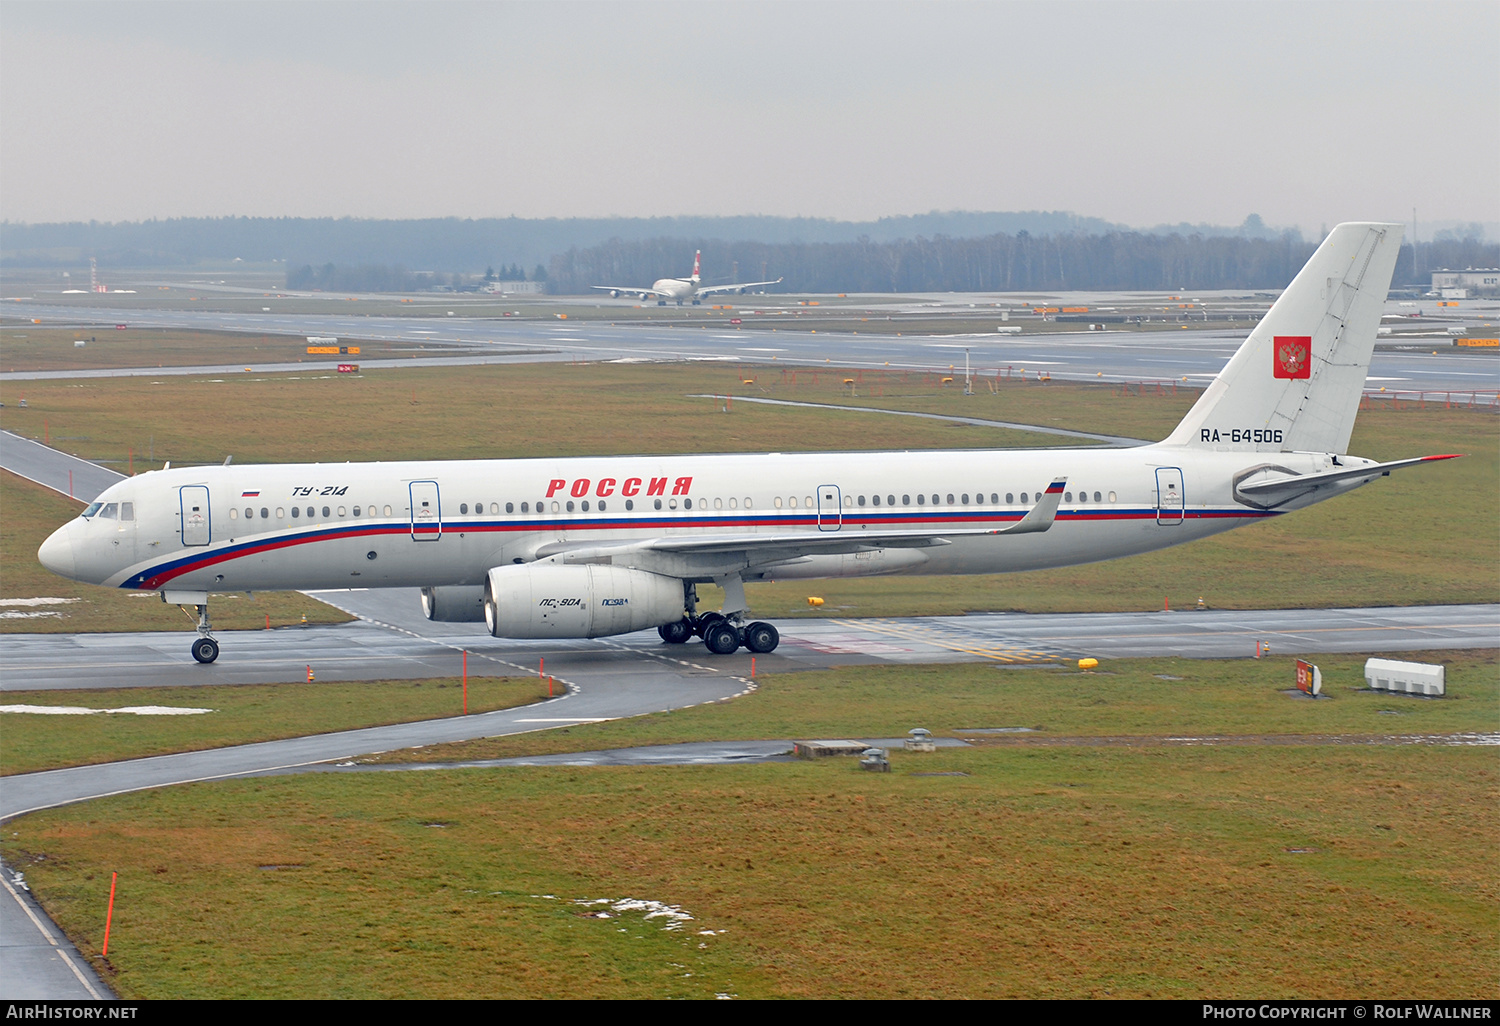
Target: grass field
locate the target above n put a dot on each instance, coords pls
(1445, 549)
(242, 714)
(32, 347)
(1128, 697)
(1145, 870)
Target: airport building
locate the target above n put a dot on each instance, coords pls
(1480, 281)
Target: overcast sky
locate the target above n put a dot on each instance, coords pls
(1306, 113)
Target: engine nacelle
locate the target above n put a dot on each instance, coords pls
(549, 600)
(454, 604)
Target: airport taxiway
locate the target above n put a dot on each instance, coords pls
(1174, 354)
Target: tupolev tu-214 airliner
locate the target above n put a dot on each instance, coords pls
(589, 547)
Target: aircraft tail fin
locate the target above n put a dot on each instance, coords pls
(1295, 383)
(697, 258)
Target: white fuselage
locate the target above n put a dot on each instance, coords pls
(675, 288)
(437, 523)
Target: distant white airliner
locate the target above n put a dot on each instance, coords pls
(679, 289)
(588, 547)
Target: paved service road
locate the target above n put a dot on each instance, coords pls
(50, 468)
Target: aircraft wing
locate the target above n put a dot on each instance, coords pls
(762, 550)
(711, 289)
(629, 290)
(1279, 486)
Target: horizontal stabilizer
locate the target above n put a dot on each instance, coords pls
(1283, 487)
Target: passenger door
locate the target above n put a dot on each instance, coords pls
(1170, 500)
(426, 511)
(197, 525)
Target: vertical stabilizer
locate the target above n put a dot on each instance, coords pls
(697, 257)
(1296, 382)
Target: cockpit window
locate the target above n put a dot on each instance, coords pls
(111, 511)
(93, 508)
(127, 511)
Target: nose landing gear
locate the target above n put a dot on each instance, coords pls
(205, 649)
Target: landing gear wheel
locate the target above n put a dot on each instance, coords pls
(676, 632)
(761, 637)
(704, 622)
(205, 650)
(721, 638)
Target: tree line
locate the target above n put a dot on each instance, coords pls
(1126, 261)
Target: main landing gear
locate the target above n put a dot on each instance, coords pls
(205, 649)
(721, 635)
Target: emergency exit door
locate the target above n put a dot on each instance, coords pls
(830, 508)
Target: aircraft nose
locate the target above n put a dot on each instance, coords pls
(56, 553)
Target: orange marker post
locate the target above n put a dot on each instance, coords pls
(752, 667)
(110, 915)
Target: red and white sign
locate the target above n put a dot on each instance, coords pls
(348, 368)
(1293, 356)
(1309, 679)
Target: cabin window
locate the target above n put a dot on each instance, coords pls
(280, 513)
(937, 500)
(234, 514)
(1112, 497)
(555, 507)
(296, 512)
(249, 513)
(875, 500)
(687, 503)
(792, 502)
(921, 499)
(861, 500)
(629, 505)
(1083, 496)
(808, 502)
(1096, 496)
(386, 511)
(778, 502)
(718, 504)
(950, 499)
(525, 507)
(747, 502)
(265, 514)
(570, 505)
(601, 505)
(463, 507)
(510, 507)
(495, 507)
(672, 503)
(906, 500)
(341, 511)
(1023, 498)
(658, 504)
(326, 512)
(1010, 498)
(890, 500)
(1067, 496)
(965, 498)
(994, 498)
(733, 504)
